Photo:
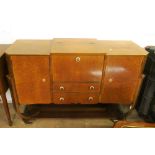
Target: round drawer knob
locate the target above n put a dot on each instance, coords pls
(43, 80)
(62, 88)
(92, 87)
(77, 59)
(62, 99)
(90, 98)
(110, 80)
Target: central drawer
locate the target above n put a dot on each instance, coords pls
(75, 98)
(76, 87)
(76, 68)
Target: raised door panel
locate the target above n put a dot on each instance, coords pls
(119, 92)
(77, 68)
(32, 80)
(120, 68)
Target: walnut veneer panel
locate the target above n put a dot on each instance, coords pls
(77, 68)
(114, 47)
(30, 47)
(119, 92)
(121, 77)
(74, 46)
(120, 68)
(76, 87)
(45, 47)
(75, 98)
(114, 67)
(32, 80)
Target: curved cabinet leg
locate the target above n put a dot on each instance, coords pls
(16, 105)
(6, 108)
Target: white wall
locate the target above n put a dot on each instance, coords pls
(102, 19)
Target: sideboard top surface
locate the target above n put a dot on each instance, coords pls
(30, 47)
(73, 46)
(3, 48)
(120, 47)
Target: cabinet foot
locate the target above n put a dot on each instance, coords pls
(26, 121)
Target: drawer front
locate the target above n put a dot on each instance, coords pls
(123, 67)
(76, 87)
(75, 98)
(77, 68)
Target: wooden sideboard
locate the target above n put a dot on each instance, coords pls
(75, 71)
(3, 81)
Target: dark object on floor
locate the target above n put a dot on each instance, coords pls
(127, 124)
(147, 95)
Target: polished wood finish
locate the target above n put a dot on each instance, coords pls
(122, 74)
(30, 47)
(32, 79)
(118, 92)
(127, 124)
(61, 71)
(3, 82)
(126, 68)
(76, 87)
(77, 68)
(121, 47)
(75, 98)
(74, 46)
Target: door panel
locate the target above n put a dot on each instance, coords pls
(119, 92)
(123, 67)
(32, 80)
(77, 68)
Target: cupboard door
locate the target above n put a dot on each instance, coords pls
(32, 80)
(123, 67)
(119, 92)
(122, 74)
(77, 68)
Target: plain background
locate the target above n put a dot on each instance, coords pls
(101, 19)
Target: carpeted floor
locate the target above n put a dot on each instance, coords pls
(60, 122)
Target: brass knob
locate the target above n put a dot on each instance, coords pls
(90, 98)
(62, 88)
(43, 80)
(77, 59)
(61, 99)
(110, 80)
(91, 87)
